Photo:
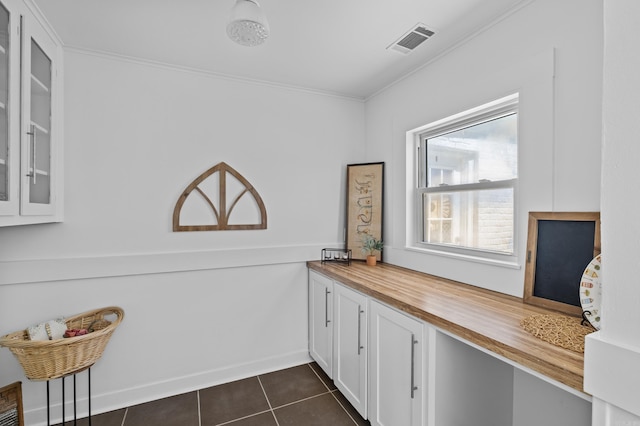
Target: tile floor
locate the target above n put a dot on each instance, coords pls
(296, 396)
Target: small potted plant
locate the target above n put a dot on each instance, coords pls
(370, 245)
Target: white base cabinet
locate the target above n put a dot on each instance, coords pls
(397, 370)
(397, 391)
(320, 321)
(350, 346)
(338, 337)
(374, 354)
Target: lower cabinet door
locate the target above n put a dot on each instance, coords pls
(350, 346)
(397, 354)
(321, 321)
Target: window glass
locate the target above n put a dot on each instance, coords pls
(467, 175)
(480, 219)
(484, 152)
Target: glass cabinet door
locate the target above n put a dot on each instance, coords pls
(37, 197)
(9, 108)
(40, 127)
(5, 51)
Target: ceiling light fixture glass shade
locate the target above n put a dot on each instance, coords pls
(247, 23)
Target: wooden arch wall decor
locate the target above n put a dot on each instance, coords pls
(203, 191)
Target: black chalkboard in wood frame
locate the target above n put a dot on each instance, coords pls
(559, 246)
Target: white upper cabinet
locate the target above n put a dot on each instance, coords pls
(30, 119)
(9, 108)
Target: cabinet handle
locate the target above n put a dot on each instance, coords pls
(326, 307)
(32, 135)
(360, 312)
(413, 359)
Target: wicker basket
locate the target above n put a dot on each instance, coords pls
(51, 359)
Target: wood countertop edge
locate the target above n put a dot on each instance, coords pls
(567, 367)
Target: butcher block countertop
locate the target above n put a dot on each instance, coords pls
(486, 318)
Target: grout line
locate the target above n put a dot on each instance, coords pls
(303, 399)
(242, 418)
(264, 392)
(275, 418)
(319, 378)
(126, 410)
(199, 416)
(333, 394)
(268, 402)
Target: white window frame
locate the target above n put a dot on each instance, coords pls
(415, 167)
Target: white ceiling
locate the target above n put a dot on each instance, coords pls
(334, 46)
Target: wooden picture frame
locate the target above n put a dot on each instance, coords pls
(365, 184)
(11, 412)
(218, 208)
(560, 245)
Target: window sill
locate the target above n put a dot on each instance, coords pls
(467, 257)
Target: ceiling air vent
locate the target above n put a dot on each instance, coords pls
(412, 39)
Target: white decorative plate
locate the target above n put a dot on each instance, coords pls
(591, 291)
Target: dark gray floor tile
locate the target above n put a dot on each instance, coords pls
(298, 395)
(112, 418)
(352, 411)
(264, 419)
(292, 384)
(321, 410)
(229, 401)
(179, 410)
(323, 376)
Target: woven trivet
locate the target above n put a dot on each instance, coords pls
(560, 330)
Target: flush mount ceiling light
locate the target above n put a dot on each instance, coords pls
(247, 23)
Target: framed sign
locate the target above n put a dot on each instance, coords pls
(560, 245)
(364, 205)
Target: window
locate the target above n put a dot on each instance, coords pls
(467, 171)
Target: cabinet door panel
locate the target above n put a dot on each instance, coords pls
(38, 164)
(350, 346)
(9, 108)
(396, 368)
(5, 51)
(320, 321)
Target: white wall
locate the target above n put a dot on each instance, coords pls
(201, 307)
(613, 355)
(137, 135)
(551, 53)
(181, 331)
